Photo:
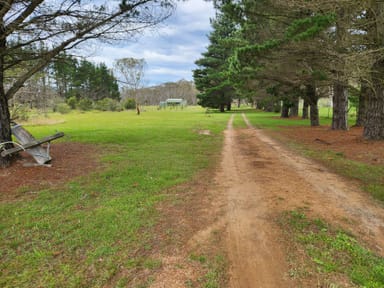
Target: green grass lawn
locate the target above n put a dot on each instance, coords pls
(273, 121)
(88, 231)
(332, 251)
(85, 233)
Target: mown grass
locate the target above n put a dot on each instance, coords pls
(91, 231)
(273, 121)
(333, 252)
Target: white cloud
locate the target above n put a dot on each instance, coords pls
(171, 50)
(169, 71)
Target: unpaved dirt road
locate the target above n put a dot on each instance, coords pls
(259, 180)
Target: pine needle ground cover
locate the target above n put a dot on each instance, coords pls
(345, 152)
(86, 232)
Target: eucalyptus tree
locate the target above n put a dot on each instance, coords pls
(60, 26)
(132, 71)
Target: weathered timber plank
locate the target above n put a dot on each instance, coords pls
(31, 144)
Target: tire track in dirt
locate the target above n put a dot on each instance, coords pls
(257, 259)
(257, 182)
(260, 180)
(331, 196)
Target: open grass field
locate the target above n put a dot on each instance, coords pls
(82, 233)
(86, 231)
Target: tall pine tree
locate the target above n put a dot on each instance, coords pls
(212, 77)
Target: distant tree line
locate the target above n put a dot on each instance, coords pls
(132, 72)
(155, 94)
(84, 79)
(270, 52)
(73, 83)
(78, 83)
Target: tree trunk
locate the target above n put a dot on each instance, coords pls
(5, 118)
(285, 109)
(340, 107)
(229, 106)
(314, 115)
(305, 109)
(222, 107)
(312, 101)
(269, 106)
(374, 122)
(340, 86)
(361, 109)
(5, 127)
(294, 110)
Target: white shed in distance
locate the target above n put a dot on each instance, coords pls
(173, 102)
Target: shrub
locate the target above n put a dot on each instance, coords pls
(19, 112)
(101, 105)
(72, 102)
(62, 108)
(84, 104)
(108, 104)
(129, 103)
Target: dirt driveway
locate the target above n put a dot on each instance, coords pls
(259, 180)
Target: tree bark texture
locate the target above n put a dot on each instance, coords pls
(269, 106)
(229, 106)
(5, 127)
(294, 110)
(340, 107)
(361, 109)
(5, 118)
(313, 108)
(340, 86)
(285, 110)
(305, 109)
(374, 122)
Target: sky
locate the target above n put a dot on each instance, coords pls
(171, 50)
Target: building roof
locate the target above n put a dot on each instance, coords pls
(174, 100)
